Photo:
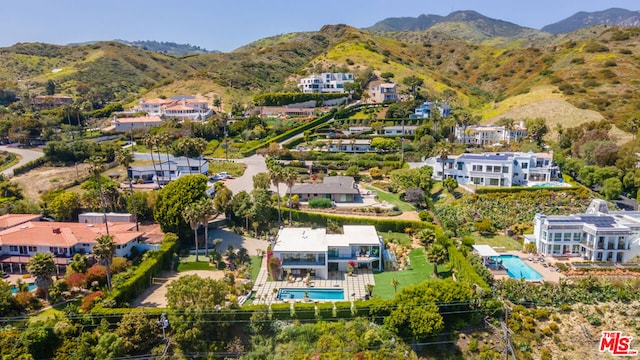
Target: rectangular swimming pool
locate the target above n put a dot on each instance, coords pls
(313, 293)
(517, 269)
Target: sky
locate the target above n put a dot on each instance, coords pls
(227, 24)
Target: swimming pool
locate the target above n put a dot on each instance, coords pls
(314, 294)
(550, 184)
(30, 287)
(517, 269)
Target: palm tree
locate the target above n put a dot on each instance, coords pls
(437, 255)
(276, 176)
(165, 139)
(443, 150)
(191, 214)
(41, 266)
(184, 145)
(149, 142)
(509, 126)
(290, 175)
(104, 251)
(125, 158)
(96, 164)
(199, 145)
(206, 208)
(157, 141)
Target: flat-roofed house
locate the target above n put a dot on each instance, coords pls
(307, 250)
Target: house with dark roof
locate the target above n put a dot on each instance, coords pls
(340, 189)
(169, 170)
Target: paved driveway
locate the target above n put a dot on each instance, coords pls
(26, 154)
(237, 241)
(255, 164)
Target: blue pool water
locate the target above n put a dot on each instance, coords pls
(517, 269)
(31, 288)
(551, 184)
(314, 294)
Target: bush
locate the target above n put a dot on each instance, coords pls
(29, 166)
(325, 311)
(281, 311)
(97, 273)
(343, 310)
(464, 269)
(382, 225)
(89, 301)
(305, 311)
(320, 203)
(424, 215)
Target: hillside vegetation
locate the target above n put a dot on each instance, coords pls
(594, 69)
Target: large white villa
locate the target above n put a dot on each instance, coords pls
(181, 107)
(496, 169)
(307, 250)
(325, 83)
(597, 235)
(489, 134)
(165, 171)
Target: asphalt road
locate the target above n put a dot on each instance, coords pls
(255, 164)
(26, 154)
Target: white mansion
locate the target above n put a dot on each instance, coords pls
(597, 235)
(496, 169)
(325, 83)
(489, 134)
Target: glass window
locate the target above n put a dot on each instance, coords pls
(544, 235)
(33, 249)
(493, 182)
(13, 248)
(505, 169)
(567, 236)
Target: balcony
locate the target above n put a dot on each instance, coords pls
(302, 262)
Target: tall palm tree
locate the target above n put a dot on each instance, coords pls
(276, 176)
(443, 150)
(165, 139)
(157, 141)
(290, 175)
(206, 210)
(199, 145)
(191, 214)
(185, 145)
(96, 166)
(150, 143)
(437, 255)
(41, 266)
(125, 158)
(104, 251)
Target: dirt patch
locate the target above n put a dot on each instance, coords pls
(38, 181)
(156, 295)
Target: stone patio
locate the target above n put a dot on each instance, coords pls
(354, 286)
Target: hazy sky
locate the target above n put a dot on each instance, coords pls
(227, 24)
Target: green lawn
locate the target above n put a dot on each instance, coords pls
(397, 238)
(52, 312)
(419, 271)
(254, 269)
(234, 168)
(393, 199)
(189, 263)
(499, 241)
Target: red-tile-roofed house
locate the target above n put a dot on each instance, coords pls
(10, 220)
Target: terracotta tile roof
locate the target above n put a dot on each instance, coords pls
(9, 220)
(36, 233)
(141, 119)
(179, 107)
(158, 101)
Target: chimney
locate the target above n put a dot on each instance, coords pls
(56, 230)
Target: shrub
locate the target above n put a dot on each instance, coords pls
(305, 311)
(424, 215)
(473, 345)
(119, 264)
(97, 273)
(343, 309)
(320, 203)
(89, 301)
(325, 311)
(280, 312)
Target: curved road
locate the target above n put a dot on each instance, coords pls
(26, 154)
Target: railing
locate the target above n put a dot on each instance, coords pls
(302, 262)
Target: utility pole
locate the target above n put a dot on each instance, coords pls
(164, 324)
(226, 142)
(402, 145)
(133, 202)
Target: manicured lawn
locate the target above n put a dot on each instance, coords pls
(236, 169)
(499, 241)
(393, 199)
(52, 312)
(189, 263)
(419, 271)
(254, 269)
(397, 238)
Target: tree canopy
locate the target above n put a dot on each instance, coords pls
(173, 198)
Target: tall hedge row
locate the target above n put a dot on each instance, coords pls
(281, 99)
(29, 166)
(382, 225)
(140, 280)
(464, 269)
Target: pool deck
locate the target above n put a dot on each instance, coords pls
(355, 287)
(549, 273)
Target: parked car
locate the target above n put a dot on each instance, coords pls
(224, 175)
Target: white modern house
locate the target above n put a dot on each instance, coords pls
(424, 111)
(348, 145)
(307, 250)
(181, 107)
(325, 83)
(497, 169)
(489, 135)
(397, 130)
(169, 170)
(596, 235)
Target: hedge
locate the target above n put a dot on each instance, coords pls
(343, 309)
(29, 166)
(325, 311)
(305, 311)
(141, 278)
(518, 189)
(464, 269)
(281, 311)
(288, 134)
(281, 99)
(382, 225)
